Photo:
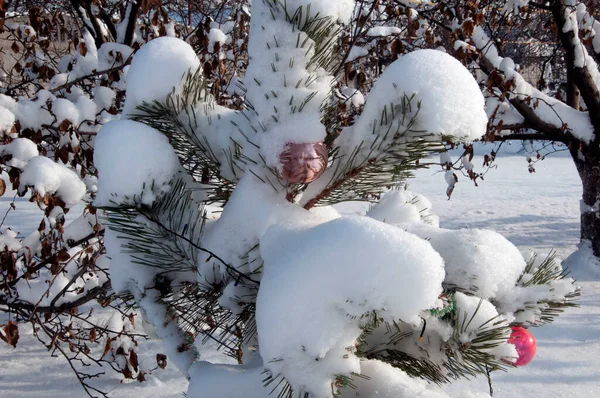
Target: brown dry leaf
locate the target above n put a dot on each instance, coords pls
(62, 255)
(2, 187)
(10, 333)
(92, 337)
(161, 360)
(133, 360)
(107, 347)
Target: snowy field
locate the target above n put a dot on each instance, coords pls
(538, 211)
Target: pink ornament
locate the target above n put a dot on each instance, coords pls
(303, 163)
(524, 342)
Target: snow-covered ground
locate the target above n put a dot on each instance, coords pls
(538, 211)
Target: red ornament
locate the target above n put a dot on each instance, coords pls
(524, 342)
(303, 163)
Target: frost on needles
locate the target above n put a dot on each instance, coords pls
(223, 246)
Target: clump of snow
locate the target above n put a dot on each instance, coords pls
(9, 241)
(480, 261)
(46, 176)
(401, 206)
(157, 68)
(7, 120)
(450, 100)
(357, 52)
(32, 113)
(132, 159)
(111, 55)
(319, 281)
(357, 99)
(382, 31)
(65, 110)
(22, 151)
(215, 36)
(104, 97)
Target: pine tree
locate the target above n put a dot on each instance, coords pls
(307, 302)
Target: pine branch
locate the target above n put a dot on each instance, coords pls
(545, 274)
(393, 154)
(457, 358)
(178, 119)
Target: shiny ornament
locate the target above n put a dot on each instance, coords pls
(524, 342)
(303, 162)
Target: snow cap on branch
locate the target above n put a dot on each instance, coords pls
(320, 282)
(451, 103)
(132, 159)
(157, 68)
(48, 177)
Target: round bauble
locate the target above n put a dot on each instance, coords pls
(525, 344)
(302, 163)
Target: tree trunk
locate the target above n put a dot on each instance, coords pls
(589, 172)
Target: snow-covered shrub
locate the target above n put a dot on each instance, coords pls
(59, 85)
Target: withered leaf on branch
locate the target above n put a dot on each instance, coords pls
(127, 373)
(161, 360)
(10, 333)
(63, 255)
(133, 360)
(107, 347)
(2, 187)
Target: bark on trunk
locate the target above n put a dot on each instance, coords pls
(589, 172)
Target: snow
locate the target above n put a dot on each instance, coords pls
(357, 99)
(46, 176)
(22, 151)
(215, 36)
(319, 282)
(340, 10)
(383, 381)
(111, 55)
(7, 119)
(104, 97)
(402, 206)
(157, 69)
(382, 31)
(9, 241)
(357, 52)
(122, 151)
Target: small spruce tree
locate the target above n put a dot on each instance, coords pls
(221, 227)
